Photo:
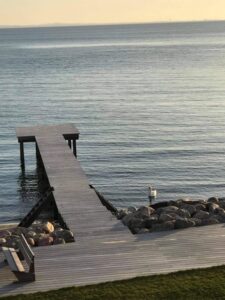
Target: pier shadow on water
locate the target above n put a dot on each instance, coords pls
(32, 185)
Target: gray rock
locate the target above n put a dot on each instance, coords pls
(198, 222)
(131, 209)
(163, 226)
(164, 217)
(153, 219)
(2, 241)
(213, 200)
(210, 221)
(67, 235)
(144, 212)
(127, 219)
(142, 231)
(200, 206)
(12, 242)
(135, 225)
(30, 241)
(220, 211)
(222, 204)
(5, 233)
(30, 234)
(213, 207)
(170, 209)
(184, 213)
(201, 215)
(184, 223)
(58, 241)
(188, 207)
(45, 241)
(121, 214)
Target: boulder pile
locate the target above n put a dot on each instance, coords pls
(179, 214)
(38, 234)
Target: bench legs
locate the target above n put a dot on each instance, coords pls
(24, 277)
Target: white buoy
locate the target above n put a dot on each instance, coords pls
(152, 193)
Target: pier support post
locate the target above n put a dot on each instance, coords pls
(74, 148)
(22, 160)
(38, 156)
(69, 143)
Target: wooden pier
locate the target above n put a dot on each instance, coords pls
(104, 250)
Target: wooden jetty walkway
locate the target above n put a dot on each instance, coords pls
(104, 250)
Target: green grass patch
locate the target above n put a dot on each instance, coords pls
(194, 284)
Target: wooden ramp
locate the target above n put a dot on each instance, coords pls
(104, 250)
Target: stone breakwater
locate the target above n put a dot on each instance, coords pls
(38, 234)
(179, 214)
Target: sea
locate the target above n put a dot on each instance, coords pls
(148, 99)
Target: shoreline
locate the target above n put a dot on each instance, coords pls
(5, 226)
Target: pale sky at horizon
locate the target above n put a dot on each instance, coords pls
(38, 12)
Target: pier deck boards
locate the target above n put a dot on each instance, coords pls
(104, 250)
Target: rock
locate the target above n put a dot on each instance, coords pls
(121, 214)
(38, 228)
(163, 226)
(2, 241)
(48, 227)
(173, 203)
(200, 206)
(30, 241)
(184, 223)
(184, 213)
(58, 241)
(201, 215)
(210, 221)
(5, 233)
(38, 237)
(213, 207)
(198, 222)
(153, 219)
(127, 219)
(144, 212)
(222, 203)
(213, 200)
(45, 241)
(19, 230)
(143, 230)
(190, 208)
(30, 234)
(12, 242)
(166, 217)
(135, 225)
(67, 235)
(131, 209)
(170, 209)
(220, 211)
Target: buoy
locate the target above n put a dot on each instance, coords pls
(152, 193)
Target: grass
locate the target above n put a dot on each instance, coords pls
(194, 284)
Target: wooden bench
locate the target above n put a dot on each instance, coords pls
(14, 258)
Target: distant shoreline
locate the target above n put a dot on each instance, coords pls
(106, 24)
(6, 226)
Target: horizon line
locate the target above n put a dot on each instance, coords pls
(52, 25)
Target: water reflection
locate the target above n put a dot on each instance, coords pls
(32, 186)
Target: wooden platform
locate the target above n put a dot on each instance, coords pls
(104, 250)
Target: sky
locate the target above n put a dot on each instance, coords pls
(44, 12)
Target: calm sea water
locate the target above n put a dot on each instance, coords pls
(149, 101)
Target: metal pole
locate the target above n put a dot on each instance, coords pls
(22, 160)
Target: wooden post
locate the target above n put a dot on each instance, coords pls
(38, 156)
(69, 143)
(74, 148)
(22, 160)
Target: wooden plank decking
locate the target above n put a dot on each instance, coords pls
(104, 249)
